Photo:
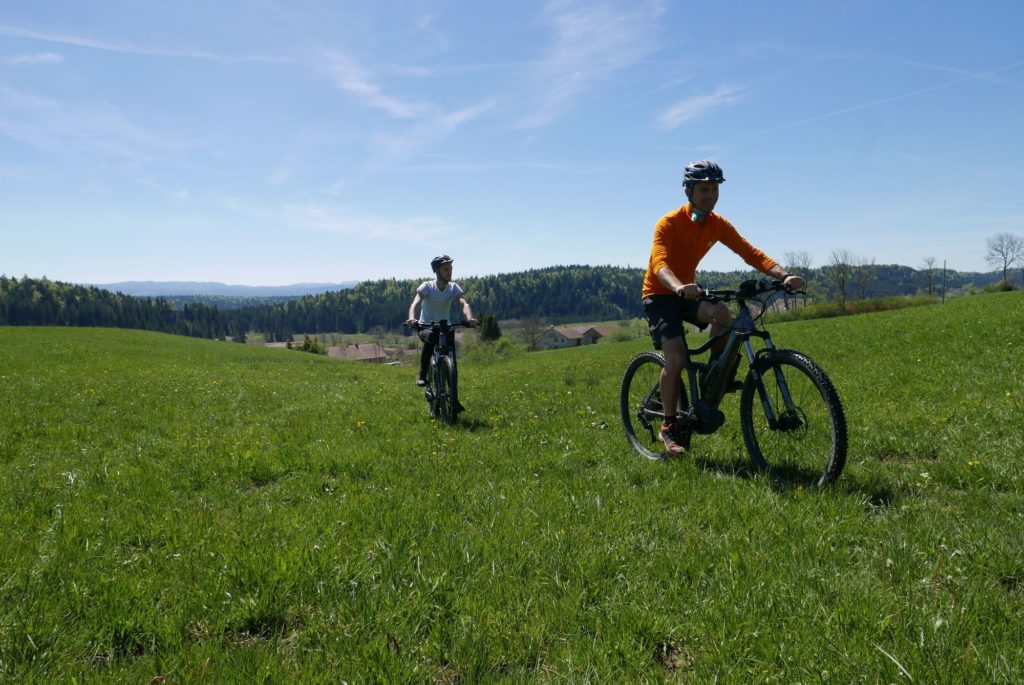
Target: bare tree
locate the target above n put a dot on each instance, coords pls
(798, 262)
(1005, 249)
(929, 272)
(838, 272)
(532, 327)
(863, 273)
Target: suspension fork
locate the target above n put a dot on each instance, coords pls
(762, 391)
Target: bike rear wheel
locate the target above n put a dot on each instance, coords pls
(793, 422)
(445, 392)
(641, 407)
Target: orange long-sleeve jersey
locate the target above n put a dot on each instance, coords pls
(680, 244)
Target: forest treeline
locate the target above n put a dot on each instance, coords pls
(561, 293)
(42, 302)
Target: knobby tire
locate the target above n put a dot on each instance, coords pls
(447, 392)
(807, 444)
(639, 396)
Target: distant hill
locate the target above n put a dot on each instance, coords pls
(560, 293)
(200, 288)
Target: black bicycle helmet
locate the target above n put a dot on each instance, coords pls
(436, 262)
(704, 170)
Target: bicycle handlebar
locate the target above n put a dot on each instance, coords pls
(435, 324)
(748, 290)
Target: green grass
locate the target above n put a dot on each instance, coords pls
(221, 513)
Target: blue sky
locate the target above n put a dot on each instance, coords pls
(279, 142)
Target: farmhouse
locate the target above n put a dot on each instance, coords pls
(367, 352)
(558, 337)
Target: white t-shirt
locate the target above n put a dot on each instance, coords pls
(436, 303)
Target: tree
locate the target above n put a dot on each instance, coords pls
(929, 272)
(312, 345)
(798, 262)
(838, 272)
(863, 273)
(532, 328)
(489, 329)
(1005, 249)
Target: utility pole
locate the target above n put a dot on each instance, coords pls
(943, 281)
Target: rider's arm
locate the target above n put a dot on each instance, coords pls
(788, 279)
(754, 257)
(412, 307)
(672, 282)
(467, 312)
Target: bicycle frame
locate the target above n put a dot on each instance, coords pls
(738, 333)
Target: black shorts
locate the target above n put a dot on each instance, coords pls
(666, 314)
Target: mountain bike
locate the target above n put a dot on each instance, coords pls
(792, 419)
(442, 388)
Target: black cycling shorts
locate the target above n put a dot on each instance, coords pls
(666, 314)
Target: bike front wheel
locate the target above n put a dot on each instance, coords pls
(445, 392)
(793, 422)
(641, 407)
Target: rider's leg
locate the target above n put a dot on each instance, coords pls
(675, 362)
(718, 315)
(429, 339)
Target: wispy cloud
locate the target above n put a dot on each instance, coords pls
(694, 107)
(423, 230)
(285, 168)
(174, 192)
(591, 42)
(349, 76)
(35, 58)
(95, 129)
(129, 48)
(448, 164)
(392, 147)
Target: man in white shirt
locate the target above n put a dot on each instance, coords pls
(436, 297)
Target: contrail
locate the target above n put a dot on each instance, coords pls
(811, 120)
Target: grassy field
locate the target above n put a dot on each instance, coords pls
(179, 510)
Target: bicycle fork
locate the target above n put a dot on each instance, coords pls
(762, 391)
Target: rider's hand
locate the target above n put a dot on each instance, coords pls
(794, 282)
(690, 291)
(411, 322)
(472, 323)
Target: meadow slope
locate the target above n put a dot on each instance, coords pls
(202, 511)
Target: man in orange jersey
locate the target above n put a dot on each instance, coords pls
(681, 239)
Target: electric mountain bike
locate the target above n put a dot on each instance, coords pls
(442, 388)
(792, 419)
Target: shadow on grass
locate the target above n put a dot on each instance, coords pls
(735, 468)
(472, 425)
(876, 493)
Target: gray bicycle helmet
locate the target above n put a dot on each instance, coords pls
(704, 170)
(436, 262)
